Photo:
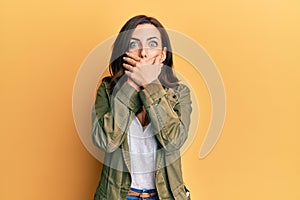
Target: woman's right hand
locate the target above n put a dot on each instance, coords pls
(133, 84)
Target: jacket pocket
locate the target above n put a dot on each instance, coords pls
(187, 192)
(182, 193)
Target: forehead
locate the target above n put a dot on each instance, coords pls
(144, 31)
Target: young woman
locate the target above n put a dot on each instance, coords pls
(141, 117)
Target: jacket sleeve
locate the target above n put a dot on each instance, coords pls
(111, 115)
(169, 112)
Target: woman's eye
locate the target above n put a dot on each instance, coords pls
(153, 44)
(133, 45)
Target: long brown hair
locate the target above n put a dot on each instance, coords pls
(167, 76)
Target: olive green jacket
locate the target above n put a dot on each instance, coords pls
(169, 111)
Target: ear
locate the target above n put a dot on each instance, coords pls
(164, 54)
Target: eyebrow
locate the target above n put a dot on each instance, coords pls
(150, 38)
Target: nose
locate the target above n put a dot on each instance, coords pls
(144, 52)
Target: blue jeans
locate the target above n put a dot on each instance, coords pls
(141, 191)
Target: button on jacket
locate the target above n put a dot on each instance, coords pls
(169, 110)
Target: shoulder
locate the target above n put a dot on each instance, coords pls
(179, 93)
(104, 86)
(106, 81)
(181, 90)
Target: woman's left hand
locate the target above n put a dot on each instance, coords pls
(142, 70)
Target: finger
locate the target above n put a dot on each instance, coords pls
(164, 54)
(165, 49)
(128, 67)
(133, 56)
(132, 76)
(150, 60)
(128, 73)
(157, 60)
(130, 61)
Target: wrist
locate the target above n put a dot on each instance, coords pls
(133, 84)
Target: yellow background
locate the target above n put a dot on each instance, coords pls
(255, 45)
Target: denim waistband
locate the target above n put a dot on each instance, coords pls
(143, 191)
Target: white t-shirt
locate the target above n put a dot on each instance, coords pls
(142, 147)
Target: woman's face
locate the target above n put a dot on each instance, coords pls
(146, 42)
